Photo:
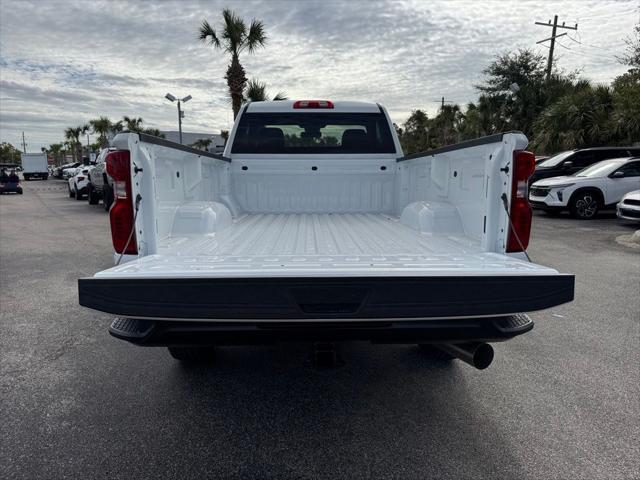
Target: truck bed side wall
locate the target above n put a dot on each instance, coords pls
(170, 178)
(471, 180)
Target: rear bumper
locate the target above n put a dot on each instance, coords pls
(165, 333)
(325, 299)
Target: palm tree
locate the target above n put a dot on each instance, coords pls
(256, 91)
(202, 143)
(234, 39)
(73, 134)
(580, 119)
(102, 127)
(133, 124)
(56, 149)
(153, 131)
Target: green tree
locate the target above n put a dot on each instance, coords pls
(626, 93)
(577, 120)
(133, 124)
(202, 143)
(234, 38)
(153, 131)
(515, 92)
(256, 91)
(73, 135)
(57, 151)
(9, 153)
(102, 127)
(414, 134)
(521, 67)
(445, 128)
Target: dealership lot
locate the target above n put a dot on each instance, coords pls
(558, 402)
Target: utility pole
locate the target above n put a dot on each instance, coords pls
(553, 37)
(442, 102)
(24, 145)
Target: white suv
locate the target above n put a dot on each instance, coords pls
(584, 193)
(79, 181)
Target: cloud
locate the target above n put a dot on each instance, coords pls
(119, 58)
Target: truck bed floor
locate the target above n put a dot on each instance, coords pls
(324, 245)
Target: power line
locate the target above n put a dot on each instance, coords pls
(552, 38)
(591, 46)
(583, 54)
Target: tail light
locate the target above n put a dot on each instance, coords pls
(524, 163)
(313, 104)
(121, 214)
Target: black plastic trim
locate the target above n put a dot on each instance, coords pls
(458, 146)
(145, 137)
(325, 298)
(172, 333)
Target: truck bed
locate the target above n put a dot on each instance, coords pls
(327, 245)
(260, 239)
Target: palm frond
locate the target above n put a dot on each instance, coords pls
(207, 34)
(256, 91)
(257, 36)
(280, 96)
(234, 31)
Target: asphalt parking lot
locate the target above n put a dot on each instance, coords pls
(559, 402)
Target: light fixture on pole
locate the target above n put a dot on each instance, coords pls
(172, 98)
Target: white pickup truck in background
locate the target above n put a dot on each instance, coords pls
(313, 225)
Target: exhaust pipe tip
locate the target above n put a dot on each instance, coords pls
(478, 355)
(483, 356)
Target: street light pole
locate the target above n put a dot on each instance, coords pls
(180, 122)
(180, 101)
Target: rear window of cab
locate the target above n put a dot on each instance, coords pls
(312, 133)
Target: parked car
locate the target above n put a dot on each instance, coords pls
(59, 171)
(69, 172)
(540, 158)
(100, 184)
(583, 194)
(35, 165)
(572, 161)
(313, 225)
(629, 206)
(10, 183)
(78, 182)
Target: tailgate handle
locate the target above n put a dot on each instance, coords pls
(330, 300)
(334, 308)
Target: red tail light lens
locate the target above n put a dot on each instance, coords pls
(524, 163)
(313, 104)
(121, 213)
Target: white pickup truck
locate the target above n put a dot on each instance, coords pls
(313, 225)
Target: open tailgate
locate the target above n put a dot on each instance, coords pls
(198, 288)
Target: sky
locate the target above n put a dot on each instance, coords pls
(65, 62)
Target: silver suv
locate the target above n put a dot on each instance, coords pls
(100, 183)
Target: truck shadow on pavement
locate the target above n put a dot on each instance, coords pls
(387, 412)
